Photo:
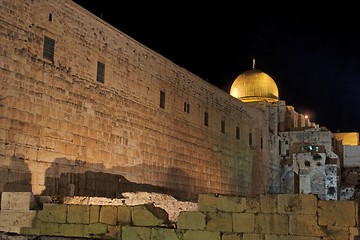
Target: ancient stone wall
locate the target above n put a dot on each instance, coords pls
(62, 132)
(219, 217)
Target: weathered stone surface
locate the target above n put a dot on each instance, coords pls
(197, 235)
(297, 203)
(53, 213)
(124, 215)
(78, 214)
(72, 230)
(136, 233)
(108, 215)
(149, 215)
(207, 202)
(95, 229)
(337, 213)
(168, 234)
(268, 203)
(191, 220)
(243, 222)
(219, 221)
(273, 223)
(305, 225)
(17, 201)
(15, 219)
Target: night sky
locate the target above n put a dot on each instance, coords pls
(311, 51)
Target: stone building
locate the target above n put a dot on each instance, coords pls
(86, 110)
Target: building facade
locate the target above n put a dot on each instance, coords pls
(86, 110)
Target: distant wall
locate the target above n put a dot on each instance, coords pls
(59, 125)
(351, 156)
(220, 217)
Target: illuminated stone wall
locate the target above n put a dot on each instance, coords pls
(62, 132)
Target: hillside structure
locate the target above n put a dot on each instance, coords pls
(85, 110)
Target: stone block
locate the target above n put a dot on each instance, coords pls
(252, 205)
(191, 220)
(268, 203)
(124, 215)
(243, 222)
(148, 215)
(336, 233)
(247, 236)
(353, 231)
(108, 215)
(272, 223)
(168, 234)
(219, 221)
(17, 201)
(304, 225)
(297, 203)
(16, 218)
(197, 235)
(337, 213)
(30, 231)
(53, 213)
(94, 213)
(227, 203)
(78, 214)
(71, 230)
(51, 229)
(231, 236)
(207, 202)
(114, 232)
(135, 233)
(95, 229)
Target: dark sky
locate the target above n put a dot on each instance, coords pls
(311, 51)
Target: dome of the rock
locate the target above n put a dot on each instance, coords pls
(254, 86)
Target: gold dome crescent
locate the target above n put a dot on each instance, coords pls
(254, 86)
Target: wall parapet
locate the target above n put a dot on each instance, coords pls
(219, 217)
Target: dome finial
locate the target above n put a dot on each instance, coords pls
(253, 63)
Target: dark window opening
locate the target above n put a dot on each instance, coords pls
(50, 17)
(186, 107)
(162, 99)
(250, 139)
(49, 48)
(206, 118)
(261, 142)
(100, 75)
(223, 126)
(287, 152)
(279, 147)
(237, 132)
(307, 163)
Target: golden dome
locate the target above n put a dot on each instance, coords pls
(254, 86)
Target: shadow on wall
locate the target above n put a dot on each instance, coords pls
(17, 176)
(77, 178)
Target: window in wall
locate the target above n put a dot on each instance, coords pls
(250, 138)
(280, 147)
(206, 118)
(186, 107)
(162, 99)
(50, 17)
(237, 132)
(223, 125)
(49, 48)
(100, 74)
(261, 142)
